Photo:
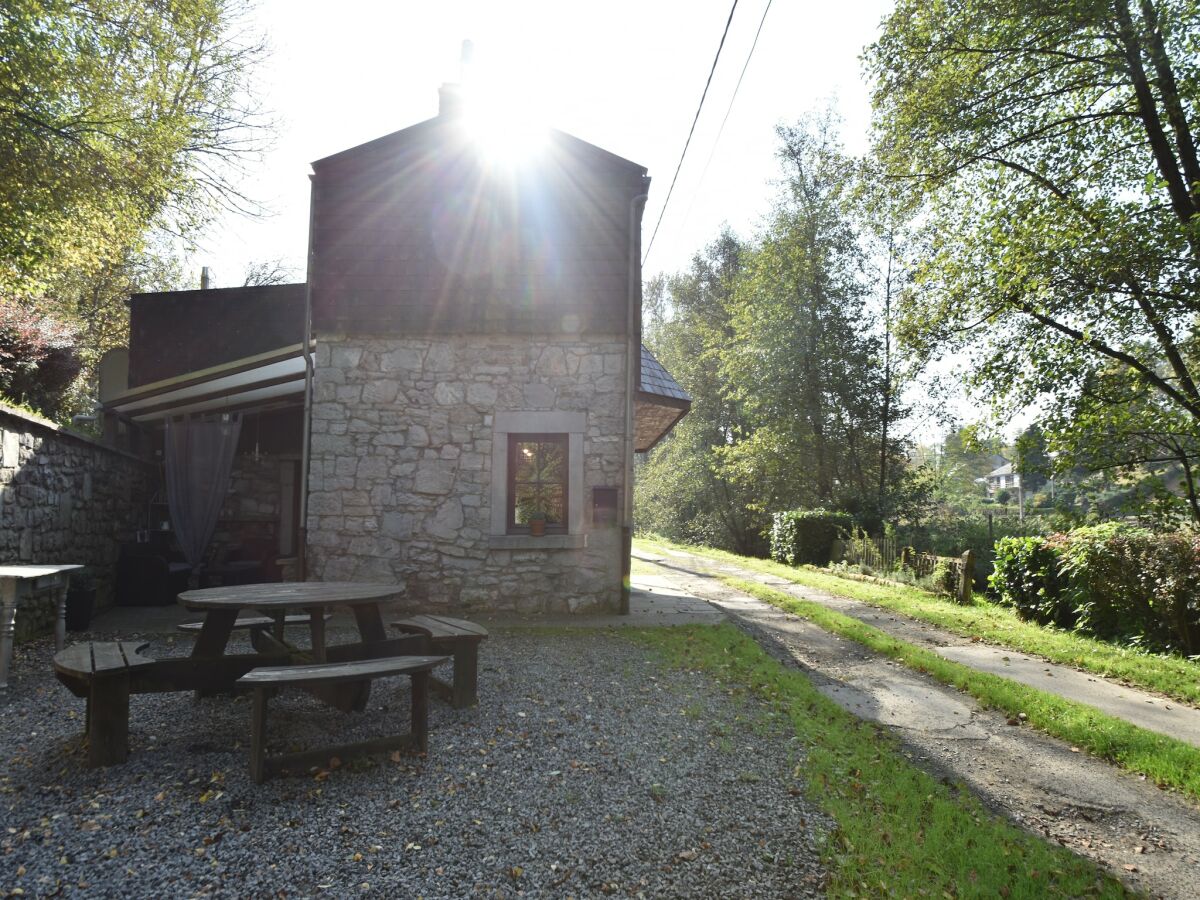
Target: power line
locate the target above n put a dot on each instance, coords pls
(691, 131)
(737, 87)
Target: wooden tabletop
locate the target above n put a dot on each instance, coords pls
(288, 595)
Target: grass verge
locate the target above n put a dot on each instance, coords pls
(1166, 761)
(899, 831)
(1176, 678)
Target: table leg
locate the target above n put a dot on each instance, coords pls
(370, 622)
(8, 621)
(60, 623)
(420, 711)
(108, 720)
(316, 628)
(215, 632)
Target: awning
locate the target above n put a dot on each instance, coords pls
(660, 403)
(266, 380)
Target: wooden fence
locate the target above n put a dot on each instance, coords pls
(882, 555)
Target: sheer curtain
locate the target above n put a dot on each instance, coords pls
(199, 459)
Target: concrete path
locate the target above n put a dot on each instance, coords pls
(1144, 709)
(1148, 837)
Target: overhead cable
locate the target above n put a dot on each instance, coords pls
(737, 87)
(691, 131)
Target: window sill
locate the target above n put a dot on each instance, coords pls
(529, 542)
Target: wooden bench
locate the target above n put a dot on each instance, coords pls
(101, 672)
(264, 681)
(458, 638)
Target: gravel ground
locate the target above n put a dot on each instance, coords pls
(586, 770)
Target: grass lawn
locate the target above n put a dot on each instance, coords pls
(1165, 760)
(1175, 677)
(899, 831)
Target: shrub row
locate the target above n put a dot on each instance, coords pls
(1118, 583)
(806, 536)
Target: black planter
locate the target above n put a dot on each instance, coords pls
(80, 605)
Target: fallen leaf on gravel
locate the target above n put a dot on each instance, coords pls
(687, 855)
(396, 757)
(1139, 849)
(1129, 868)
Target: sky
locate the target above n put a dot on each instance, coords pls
(621, 74)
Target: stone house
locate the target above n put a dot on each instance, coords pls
(475, 374)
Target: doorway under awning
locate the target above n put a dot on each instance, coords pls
(257, 524)
(660, 403)
(270, 380)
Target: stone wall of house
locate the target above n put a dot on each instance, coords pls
(65, 498)
(401, 472)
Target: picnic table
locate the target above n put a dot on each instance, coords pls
(108, 673)
(222, 605)
(16, 581)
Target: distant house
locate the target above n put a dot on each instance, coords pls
(476, 366)
(1003, 478)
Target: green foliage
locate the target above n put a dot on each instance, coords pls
(1118, 583)
(1026, 577)
(115, 112)
(944, 578)
(806, 536)
(1054, 149)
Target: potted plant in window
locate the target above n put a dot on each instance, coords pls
(537, 522)
(81, 600)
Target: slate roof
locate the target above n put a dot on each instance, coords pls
(657, 380)
(1006, 469)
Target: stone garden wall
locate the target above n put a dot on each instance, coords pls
(65, 498)
(402, 464)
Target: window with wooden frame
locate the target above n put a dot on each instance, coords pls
(537, 481)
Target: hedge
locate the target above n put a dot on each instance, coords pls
(801, 536)
(1115, 582)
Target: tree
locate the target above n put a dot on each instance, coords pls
(115, 116)
(683, 490)
(808, 359)
(1054, 147)
(794, 391)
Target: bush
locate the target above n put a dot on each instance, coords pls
(1026, 577)
(1122, 584)
(38, 358)
(801, 536)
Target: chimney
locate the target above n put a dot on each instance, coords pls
(450, 95)
(204, 278)
(450, 101)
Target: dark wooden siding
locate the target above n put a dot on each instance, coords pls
(182, 331)
(417, 235)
